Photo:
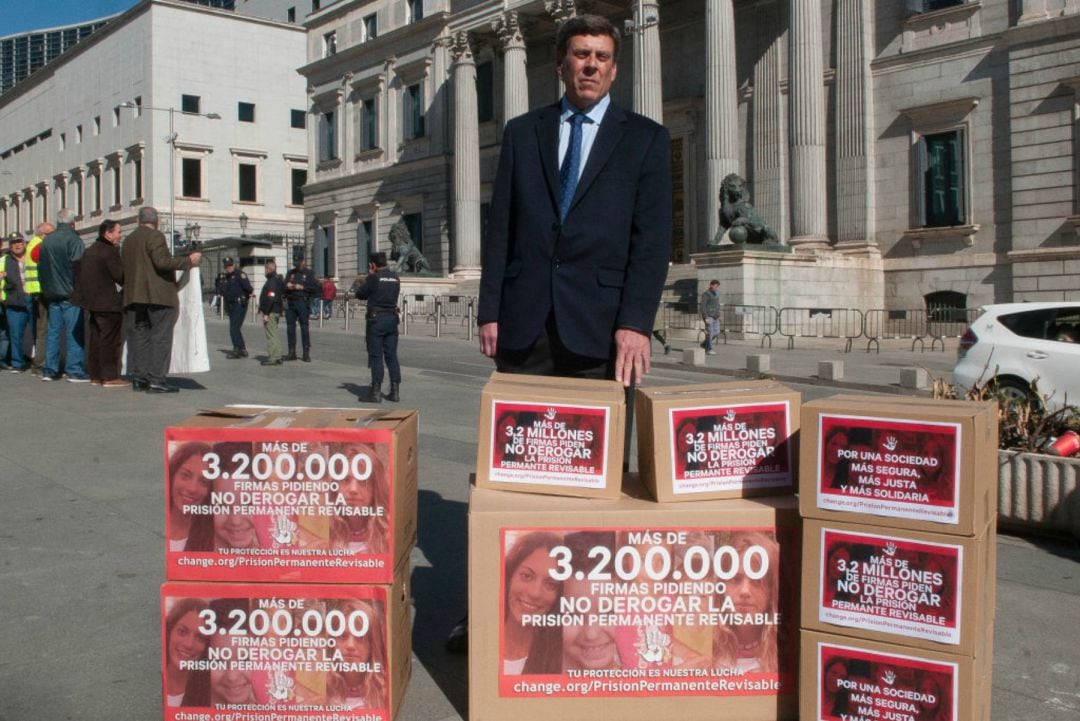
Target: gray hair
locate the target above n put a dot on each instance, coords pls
(65, 216)
(148, 215)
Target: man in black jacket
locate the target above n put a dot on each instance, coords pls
(100, 271)
(271, 300)
(381, 290)
(56, 266)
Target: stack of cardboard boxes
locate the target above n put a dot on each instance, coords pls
(588, 599)
(288, 539)
(899, 505)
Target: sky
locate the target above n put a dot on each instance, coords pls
(17, 16)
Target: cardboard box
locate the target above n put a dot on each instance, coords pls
(925, 590)
(290, 494)
(848, 679)
(244, 652)
(560, 436)
(625, 609)
(912, 463)
(717, 440)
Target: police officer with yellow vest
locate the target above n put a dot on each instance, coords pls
(32, 288)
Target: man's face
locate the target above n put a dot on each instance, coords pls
(18, 248)
(588, 70)
(714, 287)
(113, 235)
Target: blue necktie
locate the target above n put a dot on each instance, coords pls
(568, 173)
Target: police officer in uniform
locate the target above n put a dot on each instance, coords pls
(236, 289)
(381, 290)
(300, 288)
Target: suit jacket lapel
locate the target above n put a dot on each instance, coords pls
(607, 137)
(547, 138)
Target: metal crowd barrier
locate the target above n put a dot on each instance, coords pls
(895, 324)
(748, 320)
(842, 323)
(942, 323)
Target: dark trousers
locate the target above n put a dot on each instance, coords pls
(382, 341)
(549, 357)
(105, 343)
(236, 312)
(297, 311)
(150, 342)
(39, 324)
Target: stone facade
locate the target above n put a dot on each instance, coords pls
(934, 145)
(70, 138)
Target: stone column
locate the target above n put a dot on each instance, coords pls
(721, 106)
(349, 115)
(466, 260)
(388, 114)
(854, 124)
(770, 152)
(648, 87)
(1032, 11)
(560, 11)
(515, 81)
(807, 135)
(439, 107)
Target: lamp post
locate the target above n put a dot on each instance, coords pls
(171, 140)
(243, 224)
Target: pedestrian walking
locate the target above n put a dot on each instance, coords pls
(329, 293)
(300, 287)
(709, 306)
(60, 250)
(100, 273)
(381, 290)
(236, 290)
(271, 301)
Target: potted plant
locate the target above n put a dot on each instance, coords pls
(1037, 490)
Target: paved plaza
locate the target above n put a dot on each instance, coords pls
(82, 517)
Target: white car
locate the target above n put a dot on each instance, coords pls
(1023, 344)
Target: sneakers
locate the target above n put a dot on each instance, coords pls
(114, 383)
(78, 379)
(710, 352)
(46, 377)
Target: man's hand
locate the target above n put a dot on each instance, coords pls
(489, 338)
(195, 258)
(632, 355)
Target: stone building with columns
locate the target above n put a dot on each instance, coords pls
(928, 146)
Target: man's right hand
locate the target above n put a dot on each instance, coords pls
(489, 339)
(195, 258)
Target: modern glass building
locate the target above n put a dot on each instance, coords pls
(23, 53)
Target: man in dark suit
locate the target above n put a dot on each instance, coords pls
(579, 232)
(580, 226)
(151, 298)
(100, 271)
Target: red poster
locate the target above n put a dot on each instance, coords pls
(632, 612)
(889, 467)
(892, 585)
(296, 505)
(735, 447)
(858, 685)
(554, 445)
(244, 652)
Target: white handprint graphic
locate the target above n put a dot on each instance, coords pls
(656, 643)
(280, 686)
(284, 532)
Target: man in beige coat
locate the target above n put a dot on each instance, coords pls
(150, 297)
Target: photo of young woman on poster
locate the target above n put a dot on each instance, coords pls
(935, 703)
(188, 487)
(530, 589)
(364, 533)
(749, 646)
(587, 647)
(835, 700)
(356, 688)
(183, 642)
(233, 530)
